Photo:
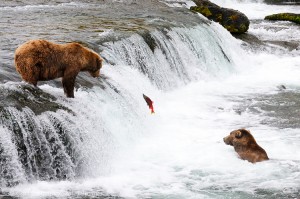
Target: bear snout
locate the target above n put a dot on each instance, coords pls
(227, 140)
(95, 74)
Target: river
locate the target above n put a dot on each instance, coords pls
(204, 82)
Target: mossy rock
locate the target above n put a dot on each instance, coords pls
(201, 9)
(233, 20)
(284, 17)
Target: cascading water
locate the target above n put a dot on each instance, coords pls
(166, 65)
(50, 142)
(105, 143)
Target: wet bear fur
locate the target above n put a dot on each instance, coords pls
(245, 145)
(41, 60)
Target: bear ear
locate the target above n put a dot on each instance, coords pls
(238, 134)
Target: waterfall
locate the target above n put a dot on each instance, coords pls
(47, 137)
(203, 82)
(175, 57)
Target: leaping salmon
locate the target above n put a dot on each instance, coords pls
(149, 103)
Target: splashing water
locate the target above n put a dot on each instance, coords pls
(203, 85)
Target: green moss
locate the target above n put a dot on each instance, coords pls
(219, 17)
(243, 28)
(233, 21)
(285, 17)
(201, 9)
(232, 29)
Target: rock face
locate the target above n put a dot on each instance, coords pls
(233, 20)
(38, 137)
(27, 96)
(285, 17)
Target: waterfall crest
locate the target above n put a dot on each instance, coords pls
(42, 137)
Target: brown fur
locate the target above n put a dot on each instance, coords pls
(41, 60)
(245, 145)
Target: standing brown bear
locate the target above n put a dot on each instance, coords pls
(245, 145)
(41, 60)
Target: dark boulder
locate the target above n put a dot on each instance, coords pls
(233, 20)
(285, 17)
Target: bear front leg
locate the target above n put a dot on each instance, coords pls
(33, 82)
(68, 84)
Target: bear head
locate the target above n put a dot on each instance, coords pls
(96, 65)
(239, 137)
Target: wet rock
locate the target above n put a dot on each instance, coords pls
(25, 95)
(40, 144)
(284, 17)
(233, 20)
(149, 40)
(249, 38)
(281, 87)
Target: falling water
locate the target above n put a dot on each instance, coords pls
(105, 143)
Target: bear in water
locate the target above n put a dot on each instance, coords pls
(245, 145)
(41, 60)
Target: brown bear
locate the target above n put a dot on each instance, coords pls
(245, 145)
(41, 60)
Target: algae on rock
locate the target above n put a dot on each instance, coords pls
(284, 17)
(233, 20)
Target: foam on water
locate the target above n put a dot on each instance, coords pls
(256, 9)
(179, 3)
(178, 152)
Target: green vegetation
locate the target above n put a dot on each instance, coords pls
(285, 17)
(201, 9)
(231, 28)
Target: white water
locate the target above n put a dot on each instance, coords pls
(178, 152)
(266, 30)
(256, 9)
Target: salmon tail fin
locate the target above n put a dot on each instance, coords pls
(152, 110)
